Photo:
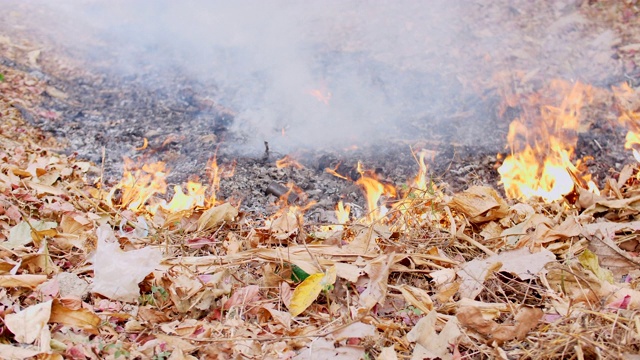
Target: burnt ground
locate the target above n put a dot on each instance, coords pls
(90, 107)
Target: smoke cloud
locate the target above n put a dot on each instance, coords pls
(332, 73)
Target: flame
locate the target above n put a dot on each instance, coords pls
(335, 173)
(195, 197)
(342, 213)
(138, 185)
(215, 174)
(421, 182)
(288, 161)
(542, 143)
(322, 95)
(628, 101)
(373, 191)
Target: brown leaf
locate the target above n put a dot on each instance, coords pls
(82, 318)
(25, 280)
(217, 215)
(480, 204)
(152, 316)
(602, 238)
(429, 343)
(525, 320)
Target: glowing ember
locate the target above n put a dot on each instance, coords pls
(288, 161)
(335, 173)
(542, 143)
(373, 190)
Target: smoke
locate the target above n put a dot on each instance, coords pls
(326, 73)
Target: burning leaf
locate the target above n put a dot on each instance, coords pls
(82, 318)
(116, 272)
(429, 343)
(30, 325)
(306, 293)
(520, 262)
(216, 215)
(524, 321)
(480, 204)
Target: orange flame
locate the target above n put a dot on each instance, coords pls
(628, 101)
(374, 190)
(542, 143)
(322, 95)
(139, 185)
(288, 161)
(342, 213)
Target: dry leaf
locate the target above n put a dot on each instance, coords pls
(217, 215)
(322, 348)
(116, 272)
(17, 353)
(602, 243)
(525, 320)
(82, 318)
(376, 287)
(387, 353)
(25, 280)
(30, 325)
(429, 343)
(480, 204)
(416, 297)
(590, 261)
(355, 330)
(520, 262)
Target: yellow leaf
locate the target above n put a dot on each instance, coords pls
(590, 261)
(307, 292)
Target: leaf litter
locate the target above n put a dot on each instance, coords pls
(84, 275)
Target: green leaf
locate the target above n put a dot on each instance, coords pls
(1, 77)
(297, 274)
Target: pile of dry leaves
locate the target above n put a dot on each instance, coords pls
(84, 275)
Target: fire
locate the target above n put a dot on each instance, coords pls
(140, 186)
(629, 106)
(342, 213)
(420, 182)
(288, 161)
(374, 190)
(322, 95)
(542, 143)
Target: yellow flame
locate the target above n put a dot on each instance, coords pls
(542, 145)
(373, 191)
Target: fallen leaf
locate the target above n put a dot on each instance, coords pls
(387, 353)
(355, 330)
(602, 243)
(82, 318)
(590, 261)
(18, 353)
(307, 291)
(520, 262)
(24, 280)
(429, 343)
(416, 297)
(31, 324)
(480, 204)
(116, 272)
(243, 296)
(322, 348)
(376, 287)
(524, 321)
(216, 215)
